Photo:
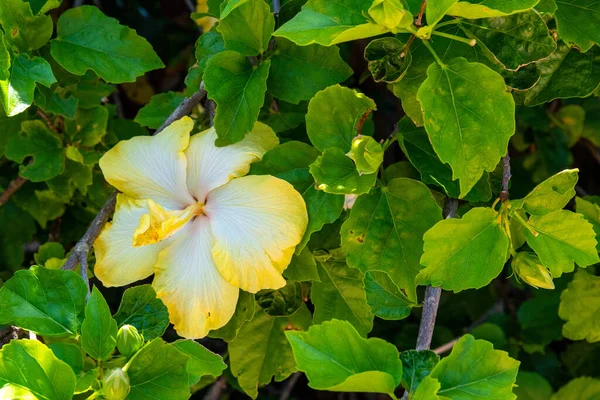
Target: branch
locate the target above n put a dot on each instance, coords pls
(276, 6)
(13, 186)
(83, 246)
(214, 393)
(505, 177)
(432, 299)
(419, 21)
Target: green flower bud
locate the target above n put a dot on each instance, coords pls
(129, 340)
(115, 385)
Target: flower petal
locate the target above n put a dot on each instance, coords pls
(210, 167)
(187, 281)
(256, 221)
(152, 167)
(118, 263)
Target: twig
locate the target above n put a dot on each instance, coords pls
(505, 177)
(419, 21)
(46, 119)
(445, 347)
(432, 299)
(13, 186)
(287, 391)
(116, 96)
(214, 393)
(82, 248)
(190, 5)
(276, 6)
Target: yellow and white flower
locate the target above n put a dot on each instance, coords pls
(189, 215)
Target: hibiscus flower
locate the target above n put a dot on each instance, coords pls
(189, 215)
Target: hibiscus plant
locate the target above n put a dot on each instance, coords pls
(251, 198)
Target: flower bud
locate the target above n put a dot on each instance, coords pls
(115, 385)
(129, 340)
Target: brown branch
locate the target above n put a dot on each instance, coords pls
(13, 186)
(83, 246)
(505, 177)
(46, 119)
(419, 21)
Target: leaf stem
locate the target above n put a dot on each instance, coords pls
(470, 42)
(437, 58)
(524, 223)
(447, 23)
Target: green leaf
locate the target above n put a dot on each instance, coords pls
(407, 88)
(158, 371)
(90, 90)
(47, 302)
(563, 238)
(476, 237)
(385, 231)
(43, 145)
(4, 59)
(335, 173)
(59, 102)
(208, 44)
(302, 268)
(577, 21)
(469, 117)
(416, 366)
(246, 26)
(530, 270)
(76, 176)
(539, 320)
(43, 205)
(328, 22)
(30, 365)
(89, 126)
(47, 251)
(490, 8)
(580, 307)
(388, 62)
(244, 311)
(515, 40)
(17, 91)
(531, 386)
(566, 73)
(99, 329)
(336, 358)
(202, 361)
(335, 116)
(475, 367)
(238, 89)
(24, 31)
(297, 73)
(580, 389)
(391, 14)
(416, 146)
(428, 389)
(88, 39)
(572, 117)
(385, 298)
(13, 241)
(43, 6)
(281, 302)
(436, 10)
(367, 154)
(154, 114)
(290, 161)
(69, 353)
(552, 194)
(261, 351)
(340, 294)
(591, 212)
(141, 308)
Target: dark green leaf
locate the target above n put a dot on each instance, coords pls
(298, 72)
(238, 88)
(335, 173)
(302, 268)
(416, 365)
(154, 114)
(385, 231)
(388, 62)
(246, 26)
(141, 308)
(209, 44)
(24, 31)
(244, 311)
(577, 22)
(202, 361)
(99, 329)
(88, 39)
(47, 302)
(340, 294)
(385, 298)
(89, 126)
